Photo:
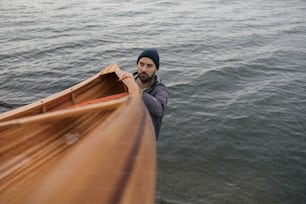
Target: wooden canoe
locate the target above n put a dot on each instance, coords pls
(92, 143)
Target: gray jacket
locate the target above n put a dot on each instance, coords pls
(156, 99)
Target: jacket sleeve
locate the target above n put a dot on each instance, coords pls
(157, 102)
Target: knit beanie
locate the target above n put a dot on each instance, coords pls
(152, 54)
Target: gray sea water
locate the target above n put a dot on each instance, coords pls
(235, 130)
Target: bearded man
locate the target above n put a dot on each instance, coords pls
(155, 93)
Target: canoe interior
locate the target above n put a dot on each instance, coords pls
(98, 87)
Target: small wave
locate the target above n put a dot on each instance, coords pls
(9, 105)
(159, 200)
(5, 105)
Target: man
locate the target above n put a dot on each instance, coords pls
(155, 93)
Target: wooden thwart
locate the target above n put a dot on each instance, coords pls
(98, 100)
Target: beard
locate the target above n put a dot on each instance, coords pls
(145, 78)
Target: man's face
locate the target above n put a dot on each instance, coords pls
(146, 69)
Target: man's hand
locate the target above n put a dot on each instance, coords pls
(125, 75)
(128, 79)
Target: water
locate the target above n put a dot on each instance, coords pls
(235, 128)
